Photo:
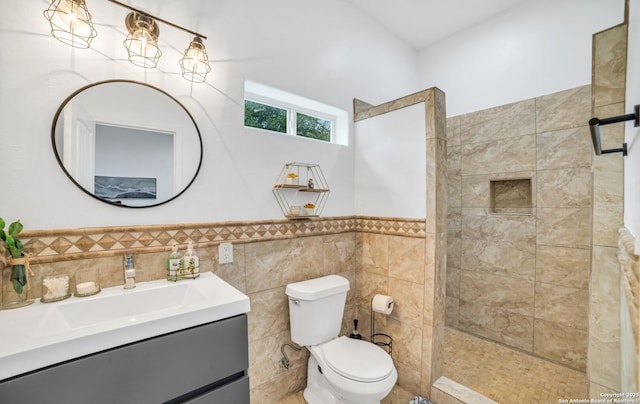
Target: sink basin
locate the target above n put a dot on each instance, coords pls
(129, 306)
(44, 334)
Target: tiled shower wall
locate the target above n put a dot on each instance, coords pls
(546, 283)
(522, 279)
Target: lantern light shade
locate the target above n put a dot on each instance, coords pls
(195, 62)
(71, 22)
(142, 41)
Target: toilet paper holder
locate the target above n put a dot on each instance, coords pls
(383, 340)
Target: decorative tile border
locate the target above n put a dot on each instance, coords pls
(70, 244)
(391, 226)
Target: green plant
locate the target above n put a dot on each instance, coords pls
(14, 246)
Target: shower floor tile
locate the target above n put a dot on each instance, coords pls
(506, 375)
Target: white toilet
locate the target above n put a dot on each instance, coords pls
(340, 369)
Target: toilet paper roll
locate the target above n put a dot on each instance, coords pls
(382, 304)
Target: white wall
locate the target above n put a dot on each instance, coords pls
(390, 161)
(632, 134)
(535, 48)
(321, 50)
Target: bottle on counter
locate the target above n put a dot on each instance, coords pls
(175, 264)
(191, 263)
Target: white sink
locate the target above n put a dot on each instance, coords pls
(130, 306)
(43, 334)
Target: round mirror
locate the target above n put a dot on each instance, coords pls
(127, 143)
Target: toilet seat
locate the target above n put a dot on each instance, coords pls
(357, 360)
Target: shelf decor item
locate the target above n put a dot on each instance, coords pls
(309, 209)
(301, 190)
(292, 179)
(18, 294)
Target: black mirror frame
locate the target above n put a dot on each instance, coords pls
(55, 150)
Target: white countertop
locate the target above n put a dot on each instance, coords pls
(44, 334)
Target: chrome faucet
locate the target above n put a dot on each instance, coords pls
(129, 272)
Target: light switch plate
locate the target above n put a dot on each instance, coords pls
(225, 253)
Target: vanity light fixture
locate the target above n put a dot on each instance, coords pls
(71, 22)
(142, 42)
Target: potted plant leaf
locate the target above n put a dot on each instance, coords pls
(18, 263)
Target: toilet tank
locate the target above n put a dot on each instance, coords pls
(316, 307)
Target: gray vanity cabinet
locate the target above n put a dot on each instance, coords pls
(199, 365)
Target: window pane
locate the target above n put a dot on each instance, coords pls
(315, 128)
(263, 116)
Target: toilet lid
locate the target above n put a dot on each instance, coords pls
(357, 360)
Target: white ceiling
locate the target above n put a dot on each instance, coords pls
(423, 22)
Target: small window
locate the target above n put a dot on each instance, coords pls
(262, 116)
(275, 110)
(313, 127)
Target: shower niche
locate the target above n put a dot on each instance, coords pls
(512, 196)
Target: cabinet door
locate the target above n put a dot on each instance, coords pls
(151, 371)
(236, 392)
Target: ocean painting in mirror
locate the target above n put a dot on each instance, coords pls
(125, 187)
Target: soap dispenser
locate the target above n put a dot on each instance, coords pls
(175, 264)
(191, 263)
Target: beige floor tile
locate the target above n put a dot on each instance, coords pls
(506, 375)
